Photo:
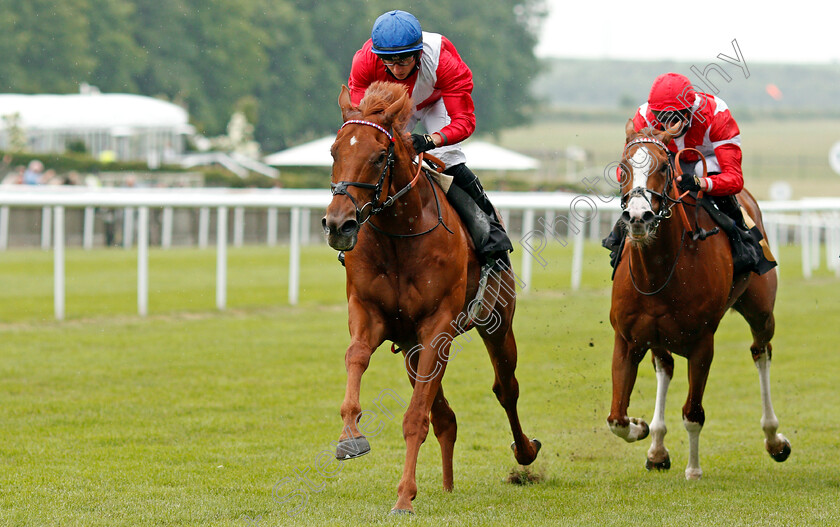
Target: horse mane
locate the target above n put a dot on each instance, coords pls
(379, 96)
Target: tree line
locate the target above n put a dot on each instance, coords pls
(281, 62)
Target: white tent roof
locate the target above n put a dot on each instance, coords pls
(93, 111)
(487, 156)
(313, 154)
(480, 156)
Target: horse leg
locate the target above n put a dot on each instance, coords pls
(446, 430)
(657, 455)
(430, 364)
(366, 335)
(501, 346)
(699, 362)
(756, 306)
(625, 366)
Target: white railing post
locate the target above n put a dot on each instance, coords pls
(87, 228)
(4, 228)
(238, 226)
(143, 261)
(835, 253)
(166, 228)
(294, 256)
(203, 227)
(305, 219)
(128, 227)
(271, 227)
(815, 227)
(577, 251)
(221, 258)
(527, 226)
(58, 264)
(805, 240)
(46, 226)
(505, 213)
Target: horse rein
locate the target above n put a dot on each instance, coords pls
(340, 188)
(664, 197)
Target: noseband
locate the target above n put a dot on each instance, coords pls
(665, 199)
(374, 207)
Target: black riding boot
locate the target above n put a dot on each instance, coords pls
(615, 243)
(746, 242)
(498, 245)
(729, 205)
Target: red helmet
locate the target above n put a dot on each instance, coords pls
(670, 92)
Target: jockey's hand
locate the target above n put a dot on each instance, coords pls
(689, 182)
(422, 142)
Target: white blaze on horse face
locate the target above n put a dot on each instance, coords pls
(353, 140)
(641, 163)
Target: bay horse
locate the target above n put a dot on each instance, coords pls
(411, 272)
(669, 294)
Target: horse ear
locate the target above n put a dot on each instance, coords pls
(629, 130)
(344, 103)
(393, 111)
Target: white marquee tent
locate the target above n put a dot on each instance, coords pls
(133, 127)
(480, 156)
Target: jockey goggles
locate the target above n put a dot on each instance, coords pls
(398, 60)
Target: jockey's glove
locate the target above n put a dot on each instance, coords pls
(688, 182)
(422, 142)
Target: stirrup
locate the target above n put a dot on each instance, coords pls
(341, 258)
(487, 292)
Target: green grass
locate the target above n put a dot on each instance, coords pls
(190, 416)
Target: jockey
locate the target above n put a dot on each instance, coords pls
(708, 127)
(440, 84)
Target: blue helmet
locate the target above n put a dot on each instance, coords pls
(396, 32)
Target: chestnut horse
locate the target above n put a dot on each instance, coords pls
(670, 292)
(411, 272)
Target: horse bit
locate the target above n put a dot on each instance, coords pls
(643, 192)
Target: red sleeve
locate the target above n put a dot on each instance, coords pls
(726, 140)
(454, 80)
(639, 120)
(731, 179)
(362, 73)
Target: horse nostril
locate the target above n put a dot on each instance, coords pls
(349, 227)
(625, 217)
(648, 216)
(324, 225)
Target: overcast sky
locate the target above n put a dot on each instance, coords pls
(787, 32)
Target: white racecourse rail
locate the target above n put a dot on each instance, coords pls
(809, 217)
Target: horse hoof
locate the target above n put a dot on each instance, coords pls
(401, 512)
(783, 455)
(658, 465)
(352, 447)
(693, 473)
(537, 445)
(644, 428)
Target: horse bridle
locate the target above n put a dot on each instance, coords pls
(664, 210)
(666, 202)
(374, 206)
(340, 188)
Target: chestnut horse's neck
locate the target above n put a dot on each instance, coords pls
(653, 266)
(410, 202)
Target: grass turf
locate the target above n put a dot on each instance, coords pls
(191, 416)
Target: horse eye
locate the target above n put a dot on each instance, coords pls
(380, 159)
